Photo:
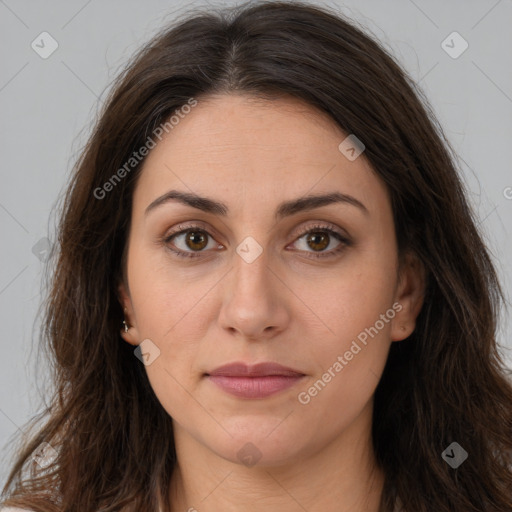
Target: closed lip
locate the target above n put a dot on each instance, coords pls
(254, 381)
(240, 369)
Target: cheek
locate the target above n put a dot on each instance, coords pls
(170, 311)
(351, 299)
(347, 369)
(173, 319)
(353, 340)
(164, 295)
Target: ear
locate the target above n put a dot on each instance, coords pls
(132, 335)
(409, 297)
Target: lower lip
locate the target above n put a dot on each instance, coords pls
(254, 387)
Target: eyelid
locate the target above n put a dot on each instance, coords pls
(297, 232)
(320, 225)
(190, 225)
(340, 235)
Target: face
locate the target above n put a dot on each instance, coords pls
(258, 272)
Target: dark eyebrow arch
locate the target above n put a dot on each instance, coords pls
(285, 209)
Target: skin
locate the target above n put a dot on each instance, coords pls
(286, 306)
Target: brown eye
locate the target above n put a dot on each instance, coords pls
(322, 242)
(317, 240)
(196, 240)
(190, 242)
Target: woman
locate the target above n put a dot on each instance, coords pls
(271, 293)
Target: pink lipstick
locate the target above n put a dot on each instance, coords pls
(256, 381)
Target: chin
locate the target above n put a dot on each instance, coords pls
(260, 444)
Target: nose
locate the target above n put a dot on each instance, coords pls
(255, 300)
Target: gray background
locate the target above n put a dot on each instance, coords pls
(48, 105)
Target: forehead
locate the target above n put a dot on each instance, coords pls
(234, 145)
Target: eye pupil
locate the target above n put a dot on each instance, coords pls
(315, 239)
(196, 238)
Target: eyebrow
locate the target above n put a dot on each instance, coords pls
(285, 209)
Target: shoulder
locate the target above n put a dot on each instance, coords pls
(14, 509)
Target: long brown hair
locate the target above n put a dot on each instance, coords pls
(446, 383)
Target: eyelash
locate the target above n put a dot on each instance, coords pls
(345, 242)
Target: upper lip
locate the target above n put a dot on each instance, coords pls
(256, 370)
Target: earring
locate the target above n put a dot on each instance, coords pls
(125, 326)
